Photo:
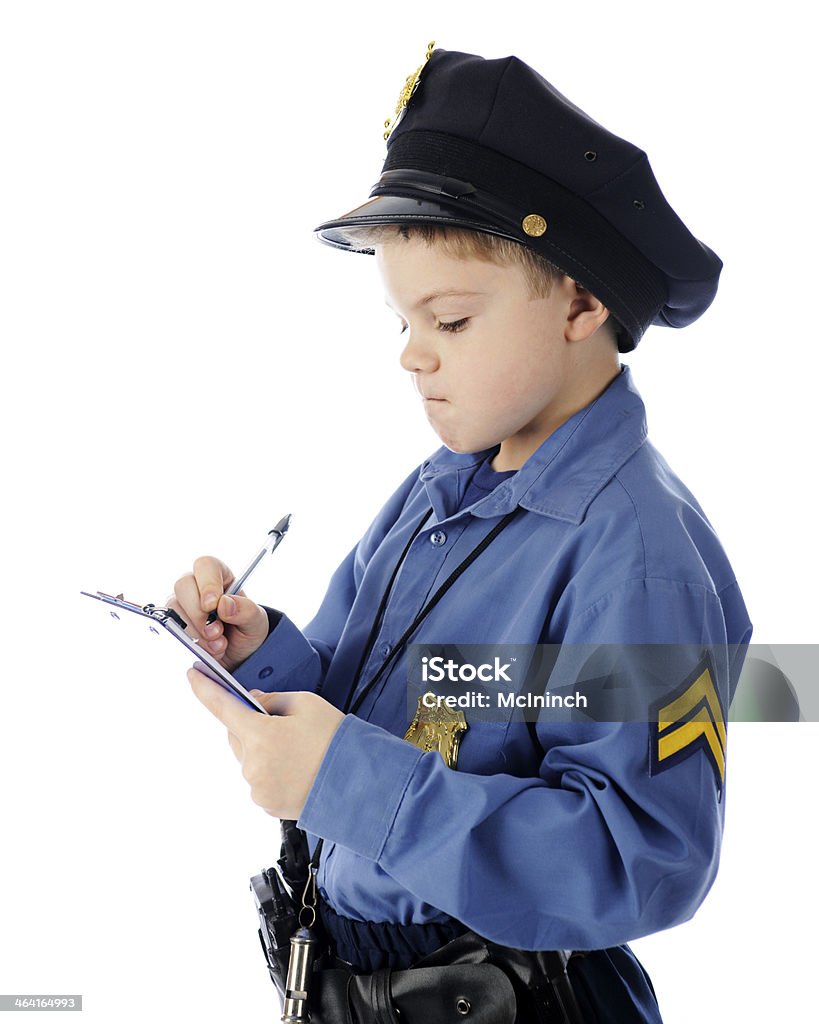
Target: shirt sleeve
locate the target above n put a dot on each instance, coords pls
(595, 850)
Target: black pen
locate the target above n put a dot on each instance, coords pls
(274, 538)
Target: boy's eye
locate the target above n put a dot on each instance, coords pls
(454, 325)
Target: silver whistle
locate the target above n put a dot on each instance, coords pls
(302, 952)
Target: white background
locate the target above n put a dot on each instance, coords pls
(183, 363)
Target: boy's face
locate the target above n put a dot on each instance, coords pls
(492, 365)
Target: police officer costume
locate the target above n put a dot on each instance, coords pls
(554, 835)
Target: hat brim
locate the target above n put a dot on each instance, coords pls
(395, 209)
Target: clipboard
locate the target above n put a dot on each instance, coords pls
(169, 621)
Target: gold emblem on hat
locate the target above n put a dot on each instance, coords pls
(410, 86)
(437, 728)
(534, 225)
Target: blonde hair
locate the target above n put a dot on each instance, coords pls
(461, 243)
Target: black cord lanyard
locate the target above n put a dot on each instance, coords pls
(379, 615)
(416, 622)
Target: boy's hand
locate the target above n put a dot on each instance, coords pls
(242, 625)
(281, 755)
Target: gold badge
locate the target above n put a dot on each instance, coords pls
(437, 727)
(410, 86)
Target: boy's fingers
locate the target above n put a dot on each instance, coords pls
(171, 602)
(238, 610)
(190, 624)
(230, 711)
(212, 578)
(187, 602)
(277, 703)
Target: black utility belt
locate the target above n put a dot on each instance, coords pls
(467, 978)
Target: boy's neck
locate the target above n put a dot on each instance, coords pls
(516, 450)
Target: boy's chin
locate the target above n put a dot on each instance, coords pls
(461, 449)
(471, 445)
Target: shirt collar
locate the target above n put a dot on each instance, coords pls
(564, 475)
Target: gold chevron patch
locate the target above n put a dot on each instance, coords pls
(692, 720)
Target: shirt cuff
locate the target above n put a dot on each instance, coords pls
(359, 787)
(286, 657)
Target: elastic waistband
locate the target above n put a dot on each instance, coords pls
(370, 946)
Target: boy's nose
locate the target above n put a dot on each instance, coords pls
(419, 357)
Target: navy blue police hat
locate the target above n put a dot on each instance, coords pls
(490, 145)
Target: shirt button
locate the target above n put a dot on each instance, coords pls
(438, 538)
(385, 650)
(266, 671)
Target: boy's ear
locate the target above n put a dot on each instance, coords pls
(586, 312)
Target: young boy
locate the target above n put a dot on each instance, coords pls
(521, 246)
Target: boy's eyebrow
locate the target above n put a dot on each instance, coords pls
(447, 294)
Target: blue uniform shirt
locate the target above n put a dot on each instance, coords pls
(553, 835)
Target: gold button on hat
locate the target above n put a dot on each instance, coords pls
(534, 225)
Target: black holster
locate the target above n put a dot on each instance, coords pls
(445, 995)
(277, 893)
